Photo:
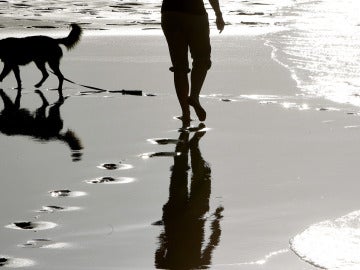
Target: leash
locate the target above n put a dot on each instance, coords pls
(98, 90)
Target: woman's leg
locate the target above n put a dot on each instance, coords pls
(172, 25)
(199, 43)
(182, 90)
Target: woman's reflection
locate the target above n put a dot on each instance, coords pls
(38, 125)
(182, 244)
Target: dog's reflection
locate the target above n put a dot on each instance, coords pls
(38, 125)
(182, 244)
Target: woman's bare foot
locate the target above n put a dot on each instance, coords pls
(200, 112)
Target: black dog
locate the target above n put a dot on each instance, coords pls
(41, 50)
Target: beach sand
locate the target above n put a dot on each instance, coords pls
(269, 163)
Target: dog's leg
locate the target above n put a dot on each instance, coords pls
(8, 104)
(6, 100)
(17, 99)
(16, 71)
(40, 114)
(6, 70)
(45, 102)
(45, 74)
(54, 65)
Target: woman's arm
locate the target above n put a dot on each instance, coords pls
(220, 24)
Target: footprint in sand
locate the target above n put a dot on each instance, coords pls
(163, 141)
(55, 208)
(110, 180)
(10, 262)
(159, 154)
(200, 128)
(66, 193)
(3, 261)
(323, 109)
(32, 226)
(44, 243)
(227, 100)
(115, 166)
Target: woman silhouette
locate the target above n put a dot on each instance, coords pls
(186, 26)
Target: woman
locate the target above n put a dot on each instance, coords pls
(186, 26)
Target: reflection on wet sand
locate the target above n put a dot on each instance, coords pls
(39, 126)
(182, 244)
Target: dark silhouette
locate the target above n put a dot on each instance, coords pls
(181, 244)
(15, 52)
(19, 121)
(186, 26)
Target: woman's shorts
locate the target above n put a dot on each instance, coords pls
(185, 31)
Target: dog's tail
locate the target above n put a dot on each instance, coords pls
(73, 38)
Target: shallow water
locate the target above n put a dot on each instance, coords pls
(331, 244)
(320, 47)
(242, 17)
(321, 50)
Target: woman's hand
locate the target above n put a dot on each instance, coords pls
(220, 24)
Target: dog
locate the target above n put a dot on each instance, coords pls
(15, 52)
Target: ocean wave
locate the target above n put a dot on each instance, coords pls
(320, 47)
(242, 17)
(331, 244)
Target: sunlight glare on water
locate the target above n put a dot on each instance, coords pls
(242, 17)
(321, 48)
(331, 244)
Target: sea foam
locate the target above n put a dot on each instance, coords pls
(320, 46)
(331, 244)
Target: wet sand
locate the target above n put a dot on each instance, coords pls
(107, 189)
